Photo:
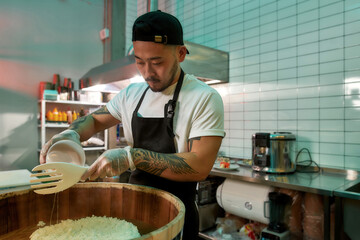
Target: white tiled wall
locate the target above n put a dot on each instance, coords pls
(294, 66)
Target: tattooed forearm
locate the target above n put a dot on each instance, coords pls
(78, 122)
(192, 140)
(84, 122)
(157, 163)
(102, 110)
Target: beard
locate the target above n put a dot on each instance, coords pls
(166, 83)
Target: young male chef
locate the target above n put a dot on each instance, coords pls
(173, 122)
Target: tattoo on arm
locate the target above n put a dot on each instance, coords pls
(101, 111)
(78, 123)
(157, 163)
(191, 142)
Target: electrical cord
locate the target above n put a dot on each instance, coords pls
(309, 162)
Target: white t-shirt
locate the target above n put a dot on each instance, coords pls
(199, 110)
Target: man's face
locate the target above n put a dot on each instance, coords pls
(157, 63)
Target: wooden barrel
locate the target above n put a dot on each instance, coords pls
(156, 213)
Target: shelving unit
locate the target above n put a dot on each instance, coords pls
(62, 126)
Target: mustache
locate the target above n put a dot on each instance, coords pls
(152, 79)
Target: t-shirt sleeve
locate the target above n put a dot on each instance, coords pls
(209, 119)
(114, 105)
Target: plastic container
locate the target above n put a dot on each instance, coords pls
(66, 151)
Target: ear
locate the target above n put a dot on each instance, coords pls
(181, 52)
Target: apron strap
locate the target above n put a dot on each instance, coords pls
(140, 101)
(169, 109)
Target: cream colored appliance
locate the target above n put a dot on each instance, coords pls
(244, 199)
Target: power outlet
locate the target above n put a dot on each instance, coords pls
(104, 33)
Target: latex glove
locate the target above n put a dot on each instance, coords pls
(111, 163)
(67, 134)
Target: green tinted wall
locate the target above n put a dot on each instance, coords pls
(37, 39)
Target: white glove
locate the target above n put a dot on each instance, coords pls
(111, 163)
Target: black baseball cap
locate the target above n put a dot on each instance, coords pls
(158, 27)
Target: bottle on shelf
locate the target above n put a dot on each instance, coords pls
(56, 82)
(69, 116)
(56, 115)
(82, 112)
(64, 94)
(74, 115)
(50, 116)
(60, 117)
(64, 90)
(72, 91)
(70, 87)
(64, 116)
(81, 84)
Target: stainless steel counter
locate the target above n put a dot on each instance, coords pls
(324, 182)
(350, 189)
(331, 183)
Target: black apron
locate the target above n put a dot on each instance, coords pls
(156, 134)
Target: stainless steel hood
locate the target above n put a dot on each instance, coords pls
(208, 64)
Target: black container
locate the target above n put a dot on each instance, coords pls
(206, 190)
(280, 209)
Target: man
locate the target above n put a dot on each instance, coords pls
(175, 129)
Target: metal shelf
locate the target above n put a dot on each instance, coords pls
(44, 124)
(73, 102)
(94, 148)
(89, 148)
(56, 125)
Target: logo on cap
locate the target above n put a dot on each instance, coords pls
(159, 39)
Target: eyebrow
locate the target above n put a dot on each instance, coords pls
(152, 58)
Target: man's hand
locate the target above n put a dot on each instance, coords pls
(112, 162)
(67, 134)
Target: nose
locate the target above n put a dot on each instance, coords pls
(148, 70)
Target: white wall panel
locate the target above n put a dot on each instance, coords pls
(294, 65)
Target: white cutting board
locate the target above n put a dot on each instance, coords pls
(14, 178)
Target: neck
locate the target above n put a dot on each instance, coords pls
(177, 75)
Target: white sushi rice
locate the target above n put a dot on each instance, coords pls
(88, 228)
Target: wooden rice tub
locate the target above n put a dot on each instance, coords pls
(156, 213)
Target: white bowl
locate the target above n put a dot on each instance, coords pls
(66, 151)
